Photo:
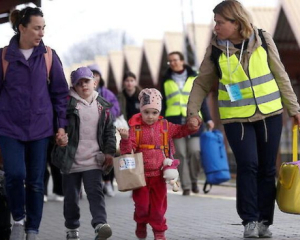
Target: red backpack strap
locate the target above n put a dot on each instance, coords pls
(4, 62)
(48, 60)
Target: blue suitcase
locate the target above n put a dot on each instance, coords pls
(214, 158)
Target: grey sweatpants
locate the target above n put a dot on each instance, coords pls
(92, 184)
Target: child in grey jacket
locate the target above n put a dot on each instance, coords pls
(87, 154)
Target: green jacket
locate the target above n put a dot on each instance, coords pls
(63, 157)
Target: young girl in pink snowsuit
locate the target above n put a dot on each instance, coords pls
(151, 200)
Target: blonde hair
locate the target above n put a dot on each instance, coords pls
(234, 11)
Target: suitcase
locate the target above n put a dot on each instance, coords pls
(288, 184)
(214, 158)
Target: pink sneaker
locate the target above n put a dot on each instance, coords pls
(159, 236)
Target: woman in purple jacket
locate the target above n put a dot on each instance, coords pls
(115, 111)
(29, 103)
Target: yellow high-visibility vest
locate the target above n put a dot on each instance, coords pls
(260, 90)
(176, 100)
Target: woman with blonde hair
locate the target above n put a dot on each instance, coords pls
(252, 84)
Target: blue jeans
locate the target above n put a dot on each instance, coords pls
(24, 163)
(255, 147)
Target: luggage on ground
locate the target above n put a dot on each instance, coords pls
(288, 184)
(214, 158)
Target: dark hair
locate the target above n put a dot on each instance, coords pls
(18, 17)
(181, 57)
(101, 81)
(129, 74)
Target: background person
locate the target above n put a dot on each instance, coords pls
(252, 86)
(26, 118)
(55, 175)
(176, 86)
(128, 98)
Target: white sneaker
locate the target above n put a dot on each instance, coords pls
(251, 230)
(45, 198)
(58, 198)
(109, 190)
(263, 230)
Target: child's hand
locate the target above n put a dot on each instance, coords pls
(61, 139)
(108, 160)
(194, 123)
(123, 133)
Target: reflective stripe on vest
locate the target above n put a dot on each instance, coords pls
(176, 100)
(260, 90)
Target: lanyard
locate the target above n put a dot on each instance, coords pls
(228, 60)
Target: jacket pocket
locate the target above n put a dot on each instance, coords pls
(60, 159)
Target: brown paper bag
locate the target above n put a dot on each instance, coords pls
(129, 171)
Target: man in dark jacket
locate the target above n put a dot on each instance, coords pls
(176, 86)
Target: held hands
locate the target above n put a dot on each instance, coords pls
(124, 133)
(194, 123)
(61, 138)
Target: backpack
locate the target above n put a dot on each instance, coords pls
(48, 61)
(165, 147)
(216, 52)
(214, 158)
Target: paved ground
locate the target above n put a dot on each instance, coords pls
(212, 216)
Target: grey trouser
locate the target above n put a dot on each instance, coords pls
(92, 184)
(188, 152)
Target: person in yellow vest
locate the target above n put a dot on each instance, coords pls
(176, 86)
(252, 86)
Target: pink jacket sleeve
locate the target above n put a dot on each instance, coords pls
(128, 145)
(179, 131)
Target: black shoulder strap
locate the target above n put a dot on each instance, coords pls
(263, 40)
(214, 57)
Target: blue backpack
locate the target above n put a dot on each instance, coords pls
(214, 158)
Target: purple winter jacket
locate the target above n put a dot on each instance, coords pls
(27, 101)
(110, 97)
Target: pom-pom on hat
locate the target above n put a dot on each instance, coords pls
(150, 98)
(81, 73)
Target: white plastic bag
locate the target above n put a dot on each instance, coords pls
(121, 122)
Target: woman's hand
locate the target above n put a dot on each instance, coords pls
(297, 119)
(123, 133)
(194, 123)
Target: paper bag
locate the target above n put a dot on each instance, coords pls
(129, 171)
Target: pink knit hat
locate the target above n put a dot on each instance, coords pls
(150, 98)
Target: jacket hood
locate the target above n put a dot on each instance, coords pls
(96, 96)
(75, 95)
(95, 68)
(190, 72)
(136, 119)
